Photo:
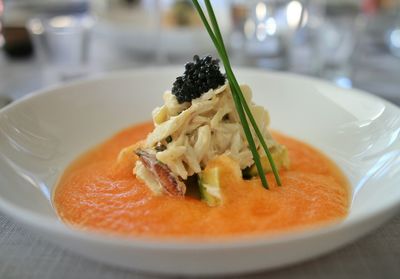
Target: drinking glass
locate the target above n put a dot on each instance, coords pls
(272, 33)
(338, 38)
(62, 43)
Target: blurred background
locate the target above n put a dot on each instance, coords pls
(352, 43)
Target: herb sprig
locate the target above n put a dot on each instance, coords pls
(240, 102)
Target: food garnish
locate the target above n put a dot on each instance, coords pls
(201, 146)
(204, 116)
(209, 186)
(280, 156)
(188, 135)
(240, 102)
(200, 76)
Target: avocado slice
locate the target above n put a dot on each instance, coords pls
(280, 157)
(209, 186)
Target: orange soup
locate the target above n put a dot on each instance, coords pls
(97, 193)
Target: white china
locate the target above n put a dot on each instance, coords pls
(43, 132)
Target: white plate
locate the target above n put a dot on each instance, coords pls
(42, 133)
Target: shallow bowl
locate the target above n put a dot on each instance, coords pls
(42, 133)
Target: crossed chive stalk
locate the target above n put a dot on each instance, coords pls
(240, 102)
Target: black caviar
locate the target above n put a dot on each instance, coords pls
(200, 76)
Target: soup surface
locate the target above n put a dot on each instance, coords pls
(97, 193)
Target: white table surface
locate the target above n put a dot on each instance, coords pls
(27, 256)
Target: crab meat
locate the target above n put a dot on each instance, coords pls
(170, 183)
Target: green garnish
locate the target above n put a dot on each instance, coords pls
(240, 102)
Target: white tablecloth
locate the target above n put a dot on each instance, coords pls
(27, 256)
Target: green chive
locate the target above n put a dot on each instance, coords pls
(236, 99)
(239, 91)
(240, 102)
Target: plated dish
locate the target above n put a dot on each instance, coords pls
(43, 133)
(190, 172)
(207, 187)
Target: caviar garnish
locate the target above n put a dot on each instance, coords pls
(200, 76)
(168, 139)
(242, 107)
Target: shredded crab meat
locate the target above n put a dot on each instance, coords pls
(195, 133)
(159, 178)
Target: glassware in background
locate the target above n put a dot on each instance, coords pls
(1, 22)
(304, 19)
(337, 40)
(155, 31)
(181, 32)
(179, 14)
(239, 12)
(393, 35)
(14, 38)
(62, 43)
(131, 26)
(256, 37)
(277, 35)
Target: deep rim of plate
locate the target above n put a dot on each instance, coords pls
(40, 222)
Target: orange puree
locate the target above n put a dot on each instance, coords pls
(97, 193)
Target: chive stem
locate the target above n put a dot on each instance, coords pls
(239, 91)
(221, 50)
(219, 44)
(239, 100)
